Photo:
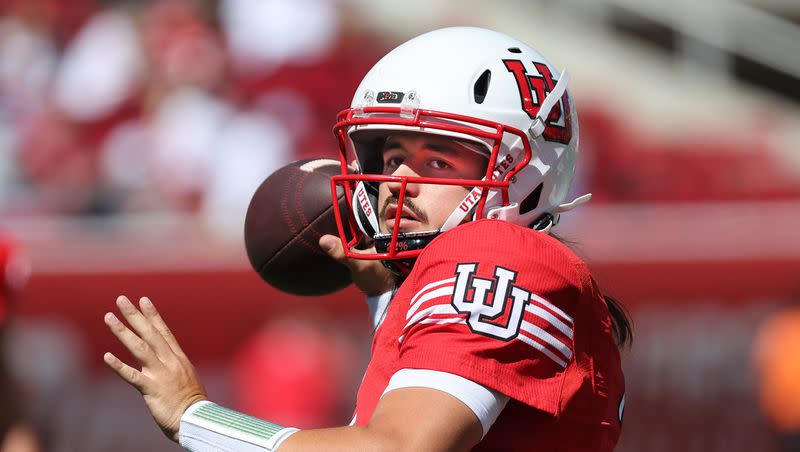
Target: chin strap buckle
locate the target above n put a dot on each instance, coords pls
(409, 105)
(546, 222)
(367, 101)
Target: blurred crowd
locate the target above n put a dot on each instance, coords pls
(16, 433)
(111, 107)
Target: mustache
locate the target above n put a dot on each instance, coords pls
(408, 204)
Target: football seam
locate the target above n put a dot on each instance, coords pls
(298, 236)
(298, 208)
(301, 213)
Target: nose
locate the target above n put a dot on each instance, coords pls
(412, 190)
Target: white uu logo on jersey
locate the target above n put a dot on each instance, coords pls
(482, 313)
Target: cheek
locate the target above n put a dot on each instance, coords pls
(383, 193)
(446, 199)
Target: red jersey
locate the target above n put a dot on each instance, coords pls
(516, 311)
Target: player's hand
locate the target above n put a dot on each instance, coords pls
(368, 275)
(167, 381)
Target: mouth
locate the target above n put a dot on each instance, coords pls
(407, 217)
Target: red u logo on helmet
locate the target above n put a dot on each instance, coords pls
(532, 91)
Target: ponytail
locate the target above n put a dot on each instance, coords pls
(622, 327)
(621, 322)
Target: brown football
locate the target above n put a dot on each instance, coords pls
(287, 215)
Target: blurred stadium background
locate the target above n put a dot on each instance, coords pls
(132, 134)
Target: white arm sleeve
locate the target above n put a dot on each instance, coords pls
(208, 427)
(484, 402)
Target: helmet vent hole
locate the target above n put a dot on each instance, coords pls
(531, 201)
(514, 50)
(482, 86)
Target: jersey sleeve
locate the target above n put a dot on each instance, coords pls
(495, 303)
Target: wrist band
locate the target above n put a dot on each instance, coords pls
(206, 426)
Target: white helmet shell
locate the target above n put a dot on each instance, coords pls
(480, 86)
(487, 75)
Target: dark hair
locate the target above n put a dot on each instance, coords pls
(620, 320)
(622, 327)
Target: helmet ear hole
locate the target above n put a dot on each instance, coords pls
(481, 86)
(531, 201)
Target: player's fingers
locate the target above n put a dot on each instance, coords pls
(126, 372)
(143, 327)
(333, 246)
(149, 310)
(140, 349)
(368, 275)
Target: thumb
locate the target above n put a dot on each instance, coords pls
(333, 246)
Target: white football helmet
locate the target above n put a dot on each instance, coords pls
(471, 84)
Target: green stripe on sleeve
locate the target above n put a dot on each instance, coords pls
(238, 421)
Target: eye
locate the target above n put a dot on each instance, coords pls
(440, 164)
(392, 162)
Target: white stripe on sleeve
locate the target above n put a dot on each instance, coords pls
(487, 404)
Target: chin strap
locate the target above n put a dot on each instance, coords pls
(467, 205)
(540, 123)
(535, 131)
(408, 241)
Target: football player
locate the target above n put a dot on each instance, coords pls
(491, 334)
